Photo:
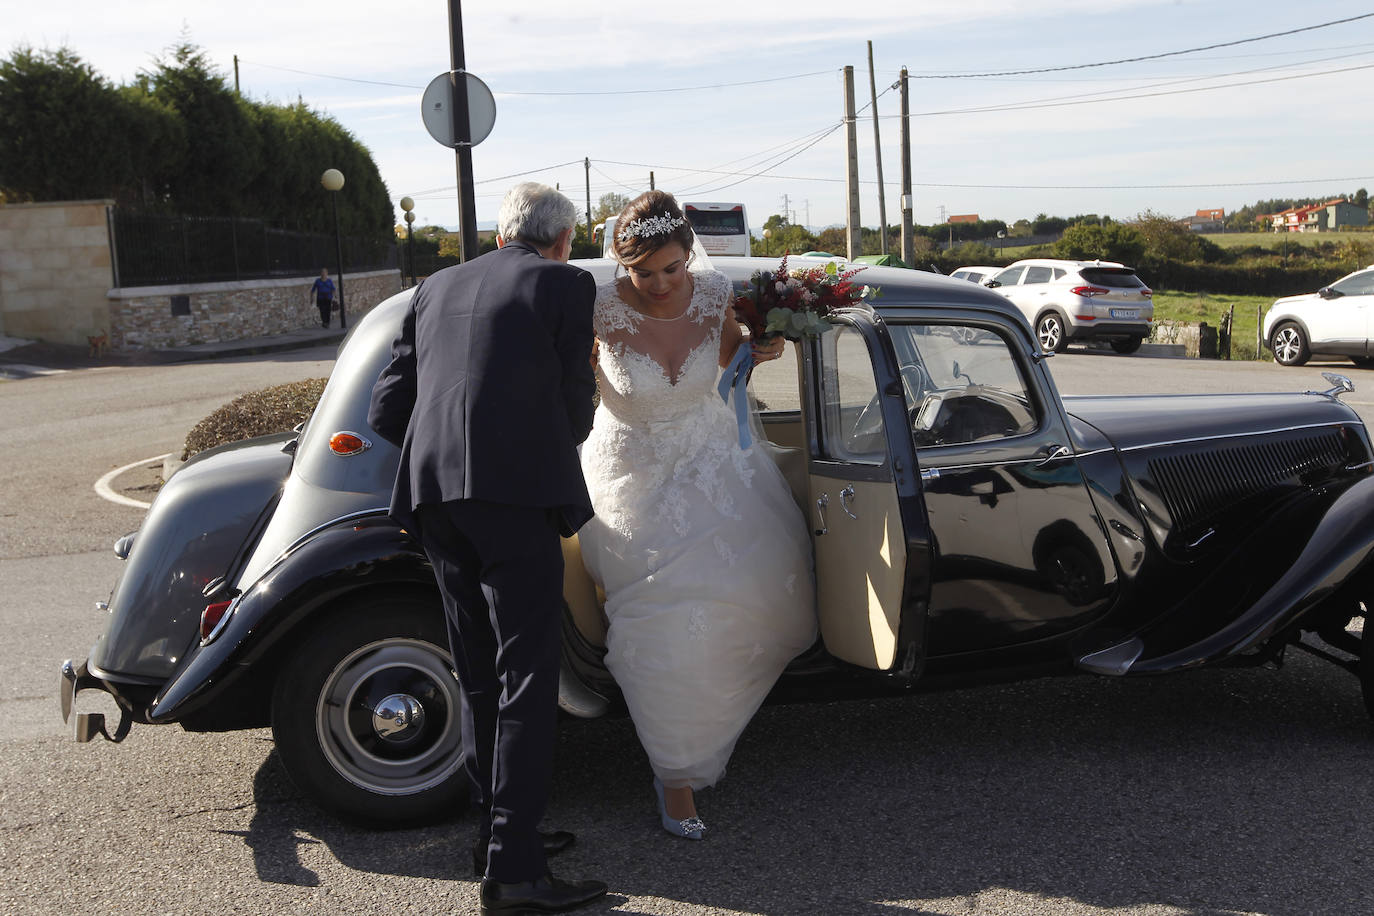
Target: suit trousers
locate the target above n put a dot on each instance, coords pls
(500, 570)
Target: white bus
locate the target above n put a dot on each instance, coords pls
(722, 229)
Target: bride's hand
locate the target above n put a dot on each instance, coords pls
(769, 349)
(596, 351)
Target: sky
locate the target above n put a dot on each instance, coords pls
(744, 102)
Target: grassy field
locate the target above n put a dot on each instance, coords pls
(1191, 308)
(1270, 239)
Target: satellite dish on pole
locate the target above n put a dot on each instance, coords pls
(436, 110)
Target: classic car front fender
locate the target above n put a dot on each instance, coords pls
(355, 554)
(1339, 549)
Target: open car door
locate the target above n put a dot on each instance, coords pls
(869, 529)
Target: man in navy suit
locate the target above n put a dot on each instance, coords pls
(488, 393)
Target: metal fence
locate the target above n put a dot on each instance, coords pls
(156, 250)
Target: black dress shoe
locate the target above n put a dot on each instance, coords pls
(555, 841)
(544, 895)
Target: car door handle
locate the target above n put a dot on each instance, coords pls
(1052, 452)
(821, 502)
(846, 495)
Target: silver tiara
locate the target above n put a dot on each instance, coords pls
(650, 225)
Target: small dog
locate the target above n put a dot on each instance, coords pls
(98, 343)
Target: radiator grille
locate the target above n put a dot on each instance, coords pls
(1198, 486)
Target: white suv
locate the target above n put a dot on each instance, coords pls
(1079, 300)
(1333, 321)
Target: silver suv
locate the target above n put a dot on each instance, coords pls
(1079, 300)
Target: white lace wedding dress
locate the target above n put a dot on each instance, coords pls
(702, 553)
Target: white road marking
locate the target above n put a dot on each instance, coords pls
(102, 486)
(16, 371)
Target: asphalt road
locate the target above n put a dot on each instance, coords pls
(1244, 791)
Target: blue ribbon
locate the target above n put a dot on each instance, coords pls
(735, 379)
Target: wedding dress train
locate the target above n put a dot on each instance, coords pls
(702, 553)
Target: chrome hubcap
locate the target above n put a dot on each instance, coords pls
(396, 716)
(388, 717)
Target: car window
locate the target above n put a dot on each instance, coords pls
(1360, 284)
(1038, 274)
(1011, 276)
(1112, 277)
(963, 384)
(852, 426)
(962, 274)
(1059, 273)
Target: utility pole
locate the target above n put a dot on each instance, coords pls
(806, 205)
(587, 167)
(908, 230)
(651, 181)
(785, 210)
(853, 235)
(236, 75)
(462, 132)
(877, 150)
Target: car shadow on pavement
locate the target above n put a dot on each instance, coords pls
(1219, 791)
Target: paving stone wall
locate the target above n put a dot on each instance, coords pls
(154, 317)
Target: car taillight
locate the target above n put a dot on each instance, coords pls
(1087, 292)
(211, 617)
(1145, 293)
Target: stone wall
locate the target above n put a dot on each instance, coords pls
(55, 270)
(55, 285)
(154, 317)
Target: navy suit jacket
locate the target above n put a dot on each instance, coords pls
(489, 390)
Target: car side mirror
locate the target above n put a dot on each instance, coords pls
(1327, 292)
(991, 284)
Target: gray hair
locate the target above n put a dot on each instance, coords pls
(535, 213)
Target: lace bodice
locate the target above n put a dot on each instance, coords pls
(661, 418)
(655, 369)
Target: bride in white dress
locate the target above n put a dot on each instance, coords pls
(702, 553)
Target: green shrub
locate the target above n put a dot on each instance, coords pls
(257, 413)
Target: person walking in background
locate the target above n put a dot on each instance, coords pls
(488, 394)
(323, 289)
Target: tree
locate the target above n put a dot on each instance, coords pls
(1112, 242)
(67, 134)
(608, 205)
(1168, 239)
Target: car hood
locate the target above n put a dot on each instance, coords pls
(1295, 300)
(1136, 421)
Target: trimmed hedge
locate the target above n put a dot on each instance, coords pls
(258, 413)
(1239, 279)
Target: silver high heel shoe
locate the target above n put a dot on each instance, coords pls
(690, 828)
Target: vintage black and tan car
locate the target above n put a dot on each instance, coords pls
(969, 524)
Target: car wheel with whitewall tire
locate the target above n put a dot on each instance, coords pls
(1129, 345)
(1290, 345)
(1049, 330)
(366, 713)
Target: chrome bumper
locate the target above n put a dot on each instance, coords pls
(86, 725)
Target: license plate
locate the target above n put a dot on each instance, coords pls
(1125, 313)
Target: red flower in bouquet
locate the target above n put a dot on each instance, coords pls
(794, 303)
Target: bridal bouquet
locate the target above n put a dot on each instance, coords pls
(794, 303)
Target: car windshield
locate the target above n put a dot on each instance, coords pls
(1360, 284)
(1112, 277)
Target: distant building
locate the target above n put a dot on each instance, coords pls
(1205, 220)
(1323, 217)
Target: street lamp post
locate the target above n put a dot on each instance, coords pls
(333, 180)
(408, 205)
(768, 241)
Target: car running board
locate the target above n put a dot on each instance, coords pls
(1113, 661)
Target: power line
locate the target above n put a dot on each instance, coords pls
(1027, 106)
(330, 76)
(1133, 60)
(772, 79)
